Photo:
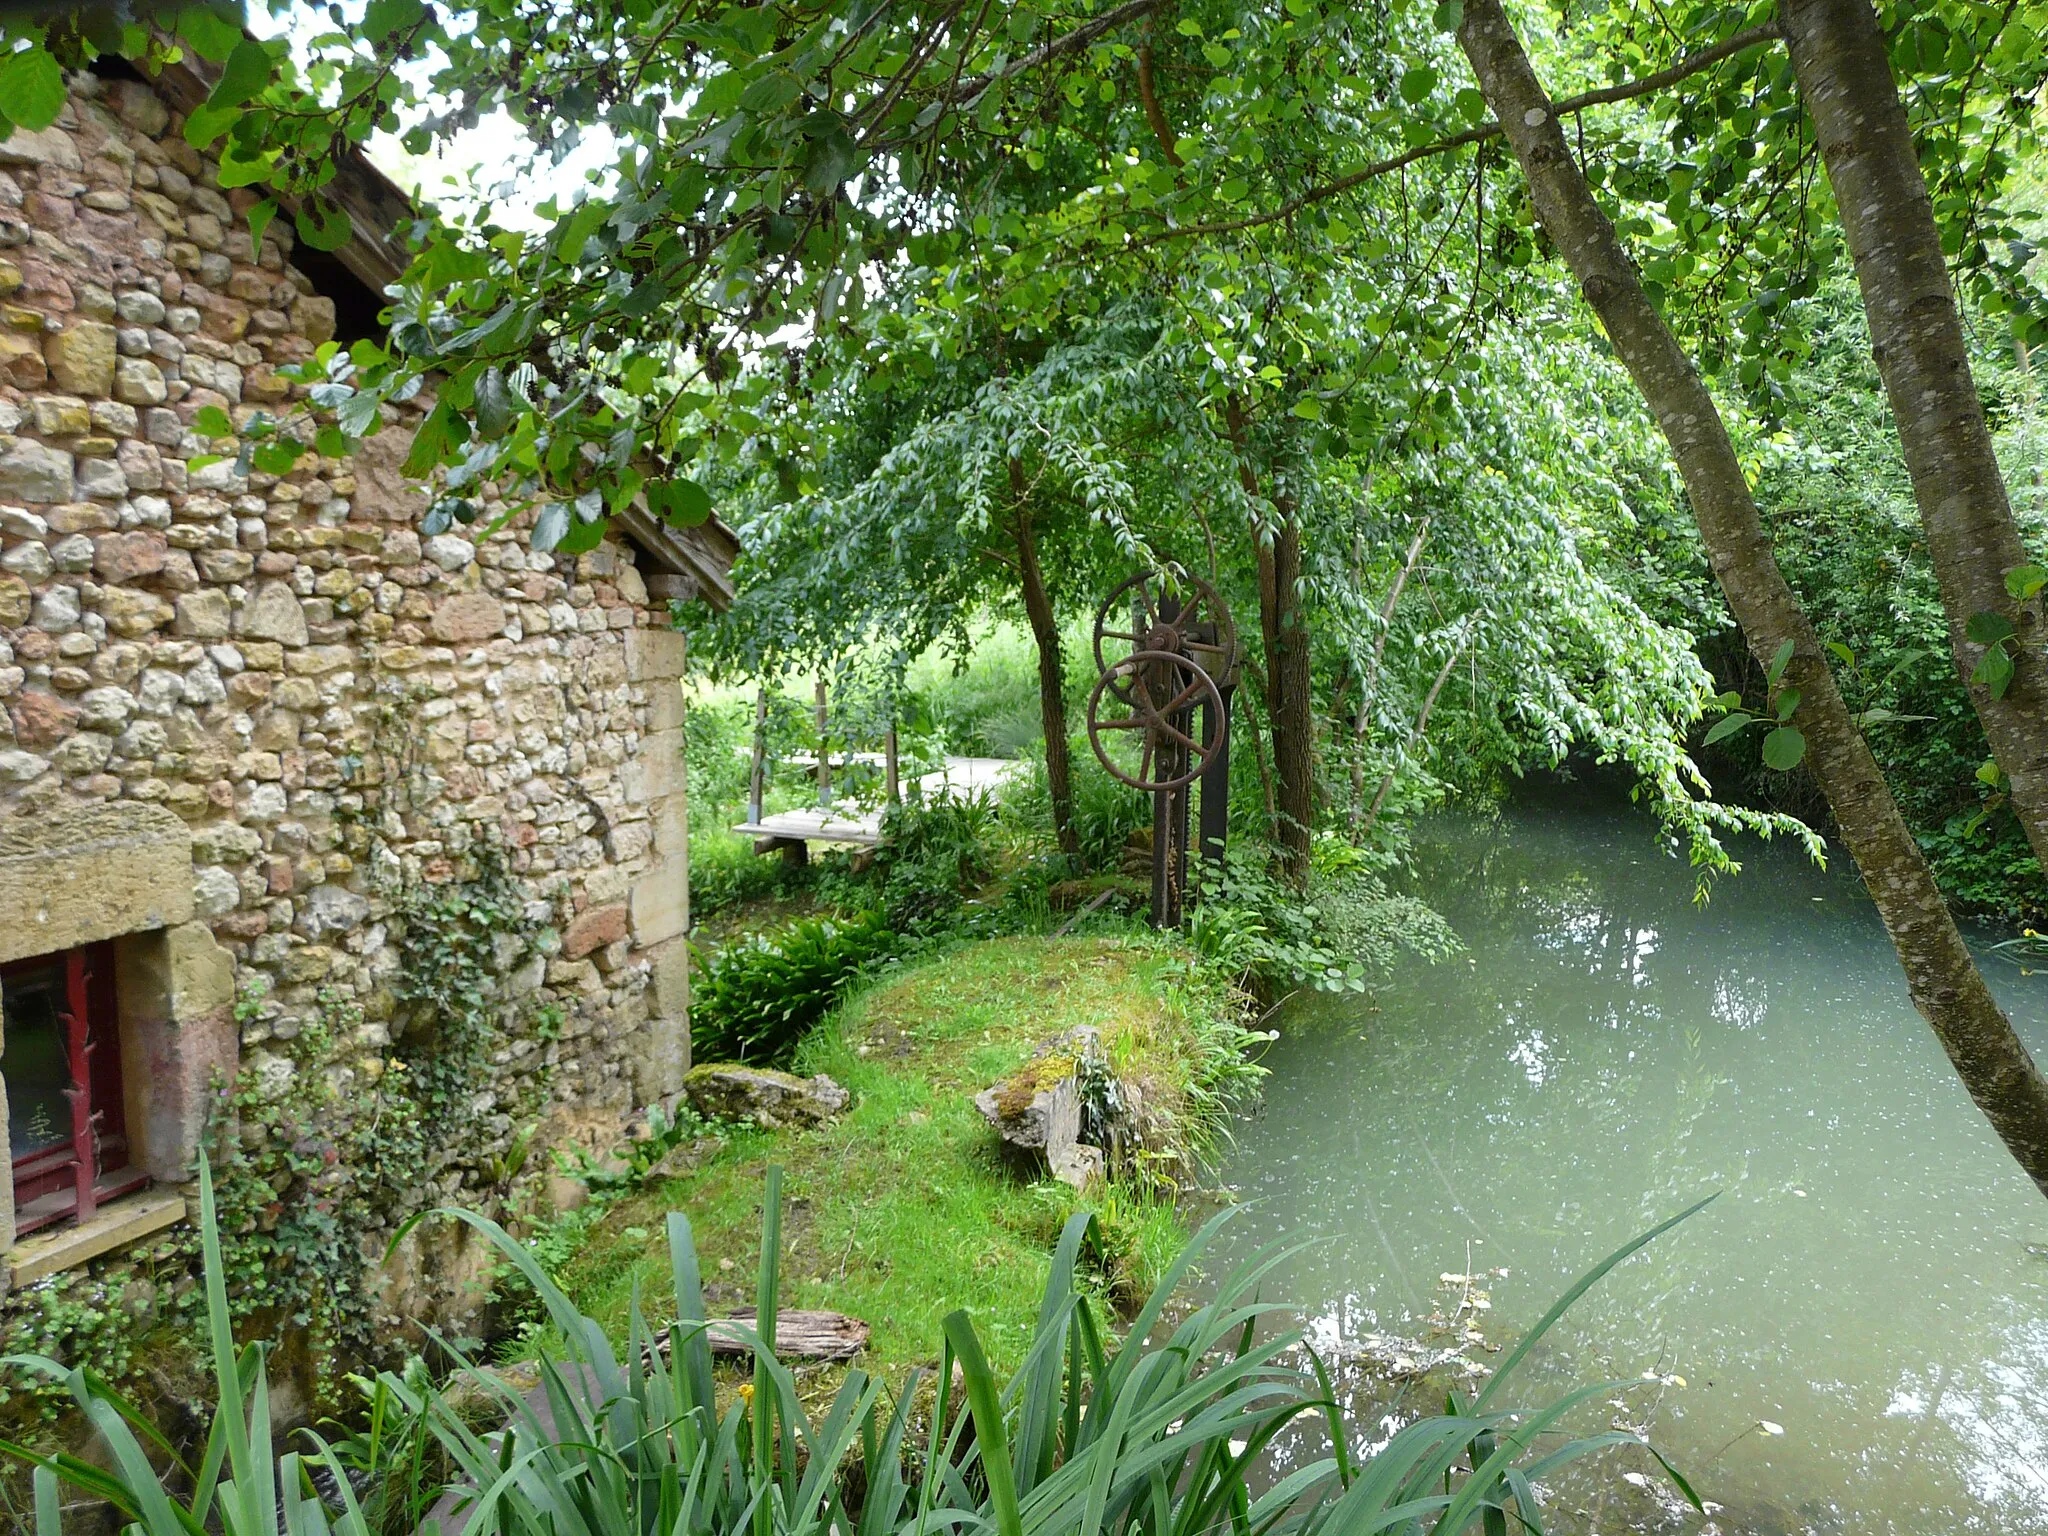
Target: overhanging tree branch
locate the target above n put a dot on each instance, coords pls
(1628, 90)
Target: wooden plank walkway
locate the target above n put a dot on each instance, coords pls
(795, 830)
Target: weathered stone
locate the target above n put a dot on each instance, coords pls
(660, 902)
(273, 613)
(450, 551)
(41, 720)
(15, 598)
(49, 146)
(139, 106)
(139, 307)
(657, 771)
(126, 557)
(94, 873)
(224, 842)
(21, 360)
(467, 618)
(82, 356)
(1034, 1112)
(137, 381)
(33, 473)
(202, 615)
(100, 478)
(60, 416)
(313, 318)
(132, 613)
(331, 909)
(654, 653)
(215, 893)
(756, 1095)
(594, 928)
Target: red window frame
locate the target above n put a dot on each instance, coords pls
(88, 1162)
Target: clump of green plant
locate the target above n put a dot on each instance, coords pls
(1144, 1435)
(931, 854)
(1106, 812)
(755, 1000)
(1342, 933)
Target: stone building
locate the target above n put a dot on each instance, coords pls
(248, 723)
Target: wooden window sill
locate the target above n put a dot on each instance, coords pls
(114, 1225)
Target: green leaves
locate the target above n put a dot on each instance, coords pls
(1779, 663)
(31, 88)
(1784, 748)
(1417, 83)
(1994, 670)
(248, 71)
(494, 404)
(212, 421)
(322, 225)
(2023, 581)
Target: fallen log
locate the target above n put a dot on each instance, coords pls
(799, 1335)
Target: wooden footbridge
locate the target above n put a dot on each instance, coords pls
(791, 833)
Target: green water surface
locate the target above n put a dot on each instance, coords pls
(1606, 1052)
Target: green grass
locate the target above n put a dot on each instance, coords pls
(903, 1210)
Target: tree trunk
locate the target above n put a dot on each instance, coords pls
(1916, 335)
(1940, 973)
(1283, 628)
(1052, 672)
(1362, 721)
(1419, 734)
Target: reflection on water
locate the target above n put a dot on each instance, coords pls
(1607, 1052)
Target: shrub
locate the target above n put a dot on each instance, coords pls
(1345, 931)
(759, 995)
(1144, 1435)
(932, 853)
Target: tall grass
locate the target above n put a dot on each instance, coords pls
(1154, 1435)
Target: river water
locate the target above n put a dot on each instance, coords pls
(1858, 1322)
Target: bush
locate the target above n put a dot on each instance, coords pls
(1340, 935)
(932, 853)
(1106, 810)
(759, 995)
(1159, 1432)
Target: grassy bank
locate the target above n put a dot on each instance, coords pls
(903, 1209)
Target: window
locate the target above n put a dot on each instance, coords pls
(67, 1132)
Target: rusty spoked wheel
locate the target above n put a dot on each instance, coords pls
(1201, 629)
(1160, 688)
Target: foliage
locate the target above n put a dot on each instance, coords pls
(1341, 934)
(448, 977)
(931, 854)
(1106, 812)
(1173, 1427)
(755, 998)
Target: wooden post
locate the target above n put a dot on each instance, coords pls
(757, 770)
(824, 753)
(890, 774)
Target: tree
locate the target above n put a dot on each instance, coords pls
(1989, 584)
(1941, 975)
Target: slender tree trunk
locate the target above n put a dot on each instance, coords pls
(1360, 823)
(1052, 671)
(1418, 734)
(1844, 73)
(1940, 973)
(1289, 688)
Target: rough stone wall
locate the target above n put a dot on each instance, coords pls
(334, 706)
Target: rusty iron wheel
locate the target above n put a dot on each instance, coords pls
(1160, 688)
(1204, 607)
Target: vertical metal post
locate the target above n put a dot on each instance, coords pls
(757, 770)
(824, 751)
(1215, 780)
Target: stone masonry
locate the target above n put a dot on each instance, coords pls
(238, 713)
